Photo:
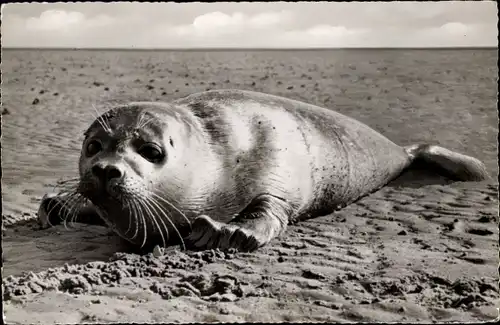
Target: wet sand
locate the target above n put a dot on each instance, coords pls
(405, 253)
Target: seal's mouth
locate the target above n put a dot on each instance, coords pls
(136, 214)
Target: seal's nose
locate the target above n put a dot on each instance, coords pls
(112, 172)
(107, 173)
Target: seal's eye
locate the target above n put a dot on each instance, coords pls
(151, 152)
(93, 147)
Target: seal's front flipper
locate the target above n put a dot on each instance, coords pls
(454, 165)
(265, 218)
(55, 208)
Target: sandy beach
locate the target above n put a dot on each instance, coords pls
(416, 253)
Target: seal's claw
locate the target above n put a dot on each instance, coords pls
(246, 240)
(210, 234)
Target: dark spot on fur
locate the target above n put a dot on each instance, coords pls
(171, 142)
(213, 123)
(200, 110)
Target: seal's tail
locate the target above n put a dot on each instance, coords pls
(454, 165)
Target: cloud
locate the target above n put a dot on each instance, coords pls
(59, 20)
(267, 29)
(455, 29)
(60, 28)
(215, 24)
(54, 20)
(318, 36)
(217, 21)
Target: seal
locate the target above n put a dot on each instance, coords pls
(231, 169)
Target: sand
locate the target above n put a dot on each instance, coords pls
(408, 252)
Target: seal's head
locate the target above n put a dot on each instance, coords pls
(129, 171)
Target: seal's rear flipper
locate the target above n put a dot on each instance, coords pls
(451, 164)
(263, 219)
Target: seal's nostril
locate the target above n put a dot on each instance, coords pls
(97, 170)
(113, 172)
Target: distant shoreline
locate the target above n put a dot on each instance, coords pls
(221, 49)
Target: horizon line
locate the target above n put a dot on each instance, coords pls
(247, 48)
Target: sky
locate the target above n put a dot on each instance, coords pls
(250, 25)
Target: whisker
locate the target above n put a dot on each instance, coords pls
(72, 181)
(101, 121)
(152, 119)
(66, 185)
(152, 217)
(97, 118)
(139, 123)
(148, 205)
(147, 122)
(168, 219)
(133, 214)
(97, 113)
(136, 214)
(139, 217)
(58, 204)
(77, 206)
(145, 232)
(142, 220)
(173, 206)
(146, 199)
(71, 208)
(63, 210)
(67, 206)
(106, 121)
